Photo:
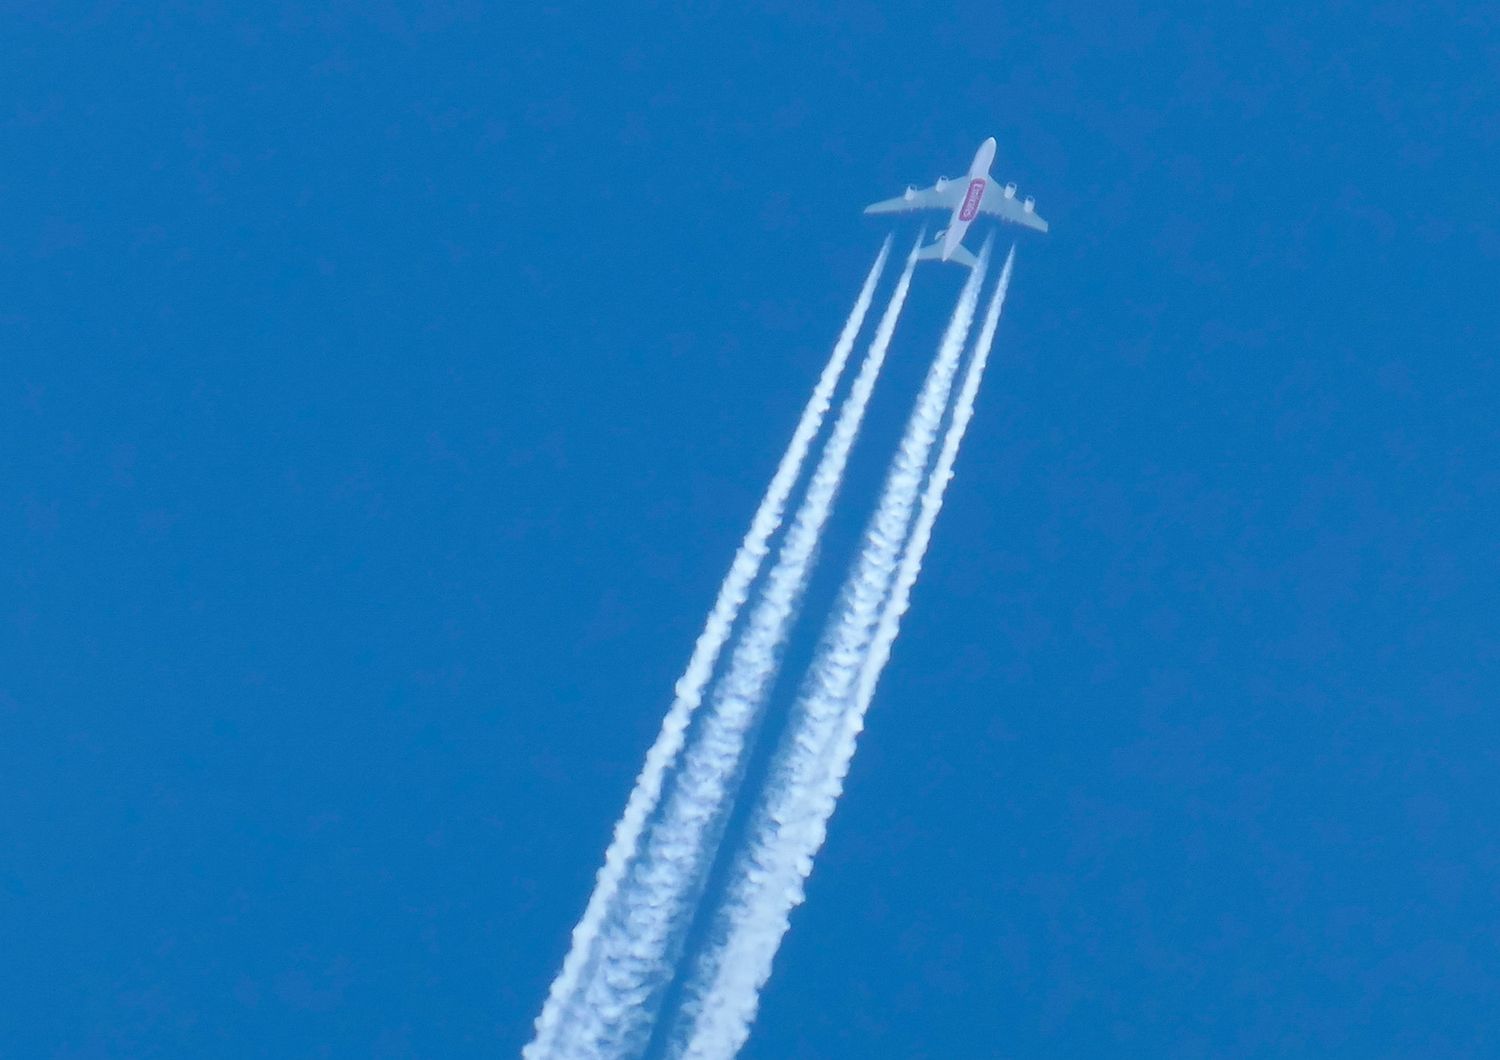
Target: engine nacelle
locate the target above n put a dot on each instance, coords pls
(1029, 205)
(1010, 190)
(909, 194)
(942, 182)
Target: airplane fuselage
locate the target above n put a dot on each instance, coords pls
(968, 209)
(964, 200)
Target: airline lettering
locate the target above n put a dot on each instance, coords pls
(971, 200)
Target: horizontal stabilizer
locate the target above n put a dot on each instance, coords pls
(960, 256)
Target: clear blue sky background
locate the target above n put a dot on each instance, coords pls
(384, 387)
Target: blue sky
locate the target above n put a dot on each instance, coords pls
(385, 388)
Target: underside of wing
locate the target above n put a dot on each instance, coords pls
(1008, 208)
(945, 198)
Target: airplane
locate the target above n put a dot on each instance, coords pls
(966, 198)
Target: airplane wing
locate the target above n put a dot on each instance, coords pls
(996, 204)
(931, 198)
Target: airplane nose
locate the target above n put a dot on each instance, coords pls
(982, 158)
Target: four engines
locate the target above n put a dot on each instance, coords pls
(1028, 204)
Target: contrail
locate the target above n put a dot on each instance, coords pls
(689, 688)
(615, 1007)
(792, 822)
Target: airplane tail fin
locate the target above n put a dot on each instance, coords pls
(934, 252)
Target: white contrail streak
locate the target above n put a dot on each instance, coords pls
(634, 951)
(689, 689)
(792, 822)
(634, 954)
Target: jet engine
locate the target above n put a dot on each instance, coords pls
(942, 182)
(1010, 190)
(909, 194)
(1029, 205)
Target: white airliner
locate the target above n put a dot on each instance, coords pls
(966, 198)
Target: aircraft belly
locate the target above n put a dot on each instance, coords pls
(970, 205)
